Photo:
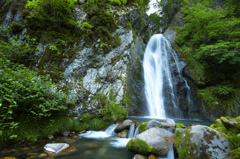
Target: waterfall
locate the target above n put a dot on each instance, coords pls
(160, 91)
(110, 129)
(136, 132)
(131, 131)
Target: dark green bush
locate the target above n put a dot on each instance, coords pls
(25, 95)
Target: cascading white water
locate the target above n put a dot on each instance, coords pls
(131, 131)
(159, 89)
(136, 132)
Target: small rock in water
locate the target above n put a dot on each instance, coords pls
(123, 134)
(123, 125)
(56, 147)
(50, 137)
(137, 156)
(82, 132)
(152, 157)
(66, 133)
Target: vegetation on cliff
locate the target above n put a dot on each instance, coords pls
(33, 103)
(209, 41)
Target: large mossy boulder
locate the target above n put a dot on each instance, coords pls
(152, 141)
(200, 142)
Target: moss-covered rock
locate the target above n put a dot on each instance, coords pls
(201, 142)
(140, 146)
(231, 124)
(160, 139)
(123, 134)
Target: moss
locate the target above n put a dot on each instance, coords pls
(142, 127)
(183, 146)
(234, 154)
(180, 126)
(228, 132)
(140, 146)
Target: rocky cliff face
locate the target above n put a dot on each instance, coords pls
(92, 69)
(189, 103)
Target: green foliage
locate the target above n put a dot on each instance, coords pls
(24, 95)
(180, 126)
(155, 21)
(108, 114)
(210, 42)
(168, 9)
(183, 143)
(32, 129)
(142, 127)
(51, 19)
(18, 51)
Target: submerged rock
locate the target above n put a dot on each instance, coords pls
(123, 125)
(152, 141)
(123, 134)
(201, 142)
(137, 156)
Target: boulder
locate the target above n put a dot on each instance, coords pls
(152, 141)
(153, 123)
(168, 123)
(200, 141)
(137, 156)
(123, 134)
(123, 125)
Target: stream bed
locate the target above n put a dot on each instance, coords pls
(91, 145)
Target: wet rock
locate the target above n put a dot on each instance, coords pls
(66, 133)
(56, 147)
(152, 141)
(11, 157)
(168, 123)
(123, 134)
(59, 149)
(202, 142)
(50, 137)
(153, 123)
(82, 132)
(137, 156)
(123, 125)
